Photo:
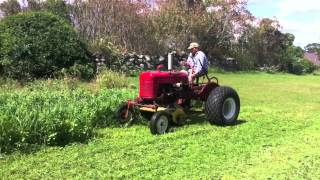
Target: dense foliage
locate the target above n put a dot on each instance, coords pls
(225, 29)
(38, 45)
(45, 114)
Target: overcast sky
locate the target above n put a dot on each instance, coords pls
(299, 17)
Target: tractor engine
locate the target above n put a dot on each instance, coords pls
(162, 87)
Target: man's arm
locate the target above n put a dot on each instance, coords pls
(190, 61)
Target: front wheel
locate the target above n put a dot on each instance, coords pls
(160, 122)
(125, 114)
(223, 106)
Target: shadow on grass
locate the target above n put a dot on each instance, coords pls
(198, 117)
(239, 122)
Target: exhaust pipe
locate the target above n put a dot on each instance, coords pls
(169, 61)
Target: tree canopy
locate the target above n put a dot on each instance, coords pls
(224, 29)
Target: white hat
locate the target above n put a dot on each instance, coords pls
(193, 45)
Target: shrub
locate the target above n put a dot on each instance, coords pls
(246, 61)
(301, 66)
(77, 71)
(38, 44)
(104, 48)
(111, 79)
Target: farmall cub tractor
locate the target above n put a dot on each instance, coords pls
(165, 97)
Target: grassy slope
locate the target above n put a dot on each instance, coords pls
(278, 138)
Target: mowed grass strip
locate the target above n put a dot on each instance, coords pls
(277, 137)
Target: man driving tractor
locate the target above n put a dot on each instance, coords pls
(197, 62)
(163, 102)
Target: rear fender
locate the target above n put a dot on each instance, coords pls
(205, 91)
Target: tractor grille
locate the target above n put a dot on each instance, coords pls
(147, 89)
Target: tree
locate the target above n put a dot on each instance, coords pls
(34, 5)
(57, 7)
(212, 23)
(225, 20)
(193, 3)
(124, 22)
(313, 47)
(10, 7)
(266, 43)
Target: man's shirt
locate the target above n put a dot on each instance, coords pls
(198, 62)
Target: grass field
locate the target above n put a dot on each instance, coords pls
(278, 137)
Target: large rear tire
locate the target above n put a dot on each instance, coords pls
(222, 106)
(160, 122)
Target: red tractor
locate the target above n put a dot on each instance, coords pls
(165, 96)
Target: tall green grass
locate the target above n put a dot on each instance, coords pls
(54, 117)
(111, 79)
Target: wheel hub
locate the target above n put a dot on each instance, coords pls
(229, 108)
(162, 124)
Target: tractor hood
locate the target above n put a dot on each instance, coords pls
(149, 75)
(150, 81)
